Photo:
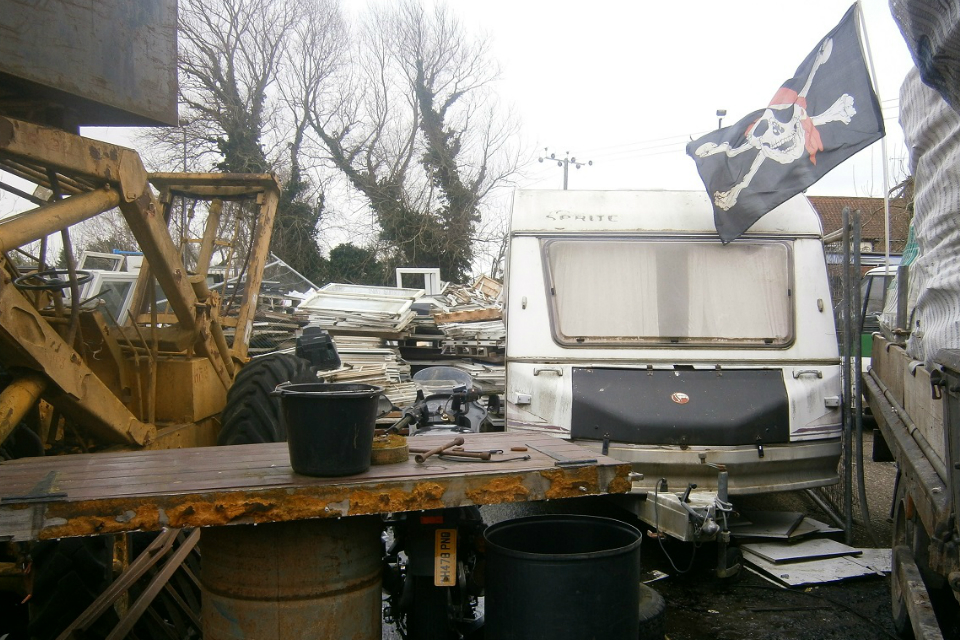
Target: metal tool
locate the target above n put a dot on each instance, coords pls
(422, 457)
(562, 460)
(479, 455)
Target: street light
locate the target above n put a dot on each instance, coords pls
(720, 114)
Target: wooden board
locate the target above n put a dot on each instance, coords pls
(42, 498)
(923, 409)
(473, 315)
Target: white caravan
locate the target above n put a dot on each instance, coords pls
(631, 329)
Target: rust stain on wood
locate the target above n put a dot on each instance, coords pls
(208, 490)
(508, 489)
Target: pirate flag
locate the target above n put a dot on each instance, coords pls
(823, 115)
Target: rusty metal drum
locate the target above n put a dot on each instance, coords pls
(292, 580)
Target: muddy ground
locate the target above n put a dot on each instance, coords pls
(749, 607)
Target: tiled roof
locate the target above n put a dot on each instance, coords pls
(830, 209)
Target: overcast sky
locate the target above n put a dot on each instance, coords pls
(626, 84)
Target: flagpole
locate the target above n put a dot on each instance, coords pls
(883, 141)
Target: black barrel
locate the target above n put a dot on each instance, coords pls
(562, 577)
(329, 426)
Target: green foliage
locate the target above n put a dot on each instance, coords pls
(294, 237)
(356, 265)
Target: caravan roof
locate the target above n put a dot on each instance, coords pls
(646, 212)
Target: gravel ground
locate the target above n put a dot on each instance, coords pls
(699, 606)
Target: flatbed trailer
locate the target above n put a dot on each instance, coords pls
(918, 413)
(304, 552)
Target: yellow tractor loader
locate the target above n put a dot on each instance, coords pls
(148, 367)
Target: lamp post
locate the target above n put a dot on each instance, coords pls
(564, 162)
(184, 123)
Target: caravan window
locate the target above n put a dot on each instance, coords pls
(663, 291)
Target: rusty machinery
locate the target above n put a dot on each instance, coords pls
(161, 378)
(74, 377)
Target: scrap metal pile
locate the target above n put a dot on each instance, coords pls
(381, 331)
(471, 320)
(367, 360)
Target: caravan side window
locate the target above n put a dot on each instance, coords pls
(665, 291)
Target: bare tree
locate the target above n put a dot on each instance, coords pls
(417, 132)
(401, 110)
(235, 59)
(230, 54)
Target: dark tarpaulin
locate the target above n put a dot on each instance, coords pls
(823, 115)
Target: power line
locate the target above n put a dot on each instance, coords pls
(564, 162)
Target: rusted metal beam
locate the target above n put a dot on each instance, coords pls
(38, 223)
(73, 155)
(150, 229)
(259, 253)
(28, 340)
(191, 183)
(209, 237)
(17, 398)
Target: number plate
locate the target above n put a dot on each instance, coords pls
(445, 558)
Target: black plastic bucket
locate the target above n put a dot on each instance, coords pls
(562, 577)
(329, 426)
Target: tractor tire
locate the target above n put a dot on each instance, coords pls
(653, 610)
(252, 414)
(70, 574)
(428, 618)
(903, 534)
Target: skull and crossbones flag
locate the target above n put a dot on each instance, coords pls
(823, 115)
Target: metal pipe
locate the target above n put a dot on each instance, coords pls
(209, 238)
(221, 341)
(29, 197)
(847, 387)
(41, 222)
(827, 509)
(152, 365)
(17, 398)
(858, 386)
(422, 457)
(479, 455)
(37, 175)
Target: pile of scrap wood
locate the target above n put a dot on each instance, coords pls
(377, 330)
(467, 322)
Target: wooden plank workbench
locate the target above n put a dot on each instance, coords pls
(90, 494)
